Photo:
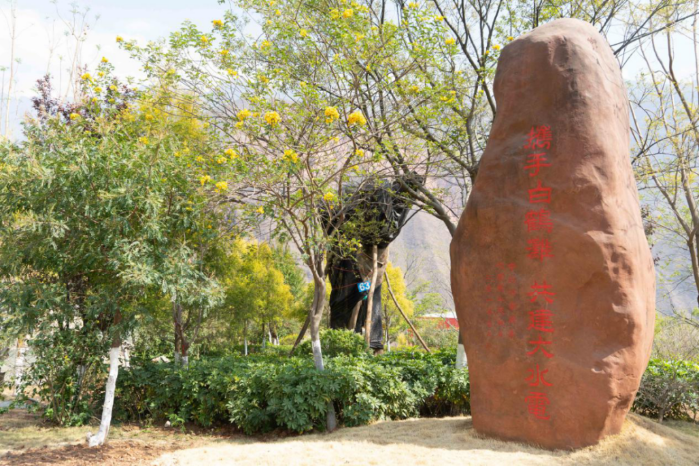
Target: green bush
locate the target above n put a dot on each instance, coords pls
(337, 343)
(669, 390)
(260, 393)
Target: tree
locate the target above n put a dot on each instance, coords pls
(96, 211)
(666, 136)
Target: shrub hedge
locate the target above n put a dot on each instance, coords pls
(669, 389)
(268, 390)
(261, 393)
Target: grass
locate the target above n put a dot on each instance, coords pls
(448, 441)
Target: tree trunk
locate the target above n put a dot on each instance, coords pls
(316, 315)
(301, 333)
(180, 336)
(19, 364)
(101, 436)
(245, 336)
(355, 314)
(370, 298)
(460, 354)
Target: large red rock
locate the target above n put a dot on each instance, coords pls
(551, 273)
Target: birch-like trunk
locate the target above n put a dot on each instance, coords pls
(370, 298)
(19, 365)
(460, 354)
(245, 336)
(316, 314)
(99, 438)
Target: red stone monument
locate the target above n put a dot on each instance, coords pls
(552, 276)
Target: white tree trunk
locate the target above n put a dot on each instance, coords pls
(460, 356)
(185, 361)
(316, 316)
(19, 365)
(178, 358)
(99, 438)
(370, 298)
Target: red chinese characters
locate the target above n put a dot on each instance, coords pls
(539, 248)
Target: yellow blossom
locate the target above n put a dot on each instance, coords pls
(217, 23)
(449, 41)
(74, 116)
(303, 84)
(329, 197)
(496, 47)
(510, 38)
(204, 40)
(356, 118)
(177, 154)
(260, 210)
(272, 118)
(243, 114)
(149, 117)
(303, 33)
(359, 153)
(204, 179)
(119, 39)
(95, 100)
(223, 52)
(220, 160)
(331, 114)
(278, 13)
(265, 44)
(171, 71)
(113, 88)
(221, 186)
(413, 5)
(86, 77)
(348, 13)
(334, 14)
(143, 140)
(231, 153)
(232, 72)
(98, 89)
(199, 158)
(101, 74)
(290, 156)
(239, 125)
(104, 60)
(358, 37)
(111, 101)
(439, 19)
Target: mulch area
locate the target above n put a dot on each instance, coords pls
(115, 453)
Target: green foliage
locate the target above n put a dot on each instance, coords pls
(337, 343)
(68, 374)
(669, 390)
(261, 393)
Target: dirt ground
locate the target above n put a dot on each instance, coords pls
(448, 441)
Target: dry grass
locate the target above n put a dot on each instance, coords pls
(449, 441)
(25, 441)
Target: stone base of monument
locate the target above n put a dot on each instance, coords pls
(551, 272)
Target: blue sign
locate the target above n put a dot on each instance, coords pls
(364, 286)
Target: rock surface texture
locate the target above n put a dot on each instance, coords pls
(552, 276)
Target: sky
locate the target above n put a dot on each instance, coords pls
(41, 23)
